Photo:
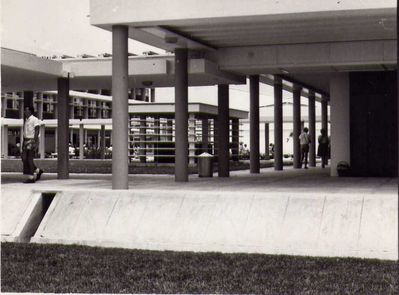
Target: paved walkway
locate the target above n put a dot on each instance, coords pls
(314, 180)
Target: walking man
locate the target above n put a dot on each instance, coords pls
(30, 144)
(304, 141)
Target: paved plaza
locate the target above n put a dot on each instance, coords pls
(314, 180)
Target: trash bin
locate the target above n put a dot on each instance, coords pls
(343, 169)
(205, 165)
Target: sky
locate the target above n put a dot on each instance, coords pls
(57, 27)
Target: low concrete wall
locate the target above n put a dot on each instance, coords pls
(281, 223)
(105, 166)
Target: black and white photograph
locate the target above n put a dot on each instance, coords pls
(199, 147)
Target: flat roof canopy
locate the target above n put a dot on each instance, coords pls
(292, 38)
(23, 71)
(168, 110)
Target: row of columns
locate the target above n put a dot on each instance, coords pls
(120, 90)
(120, 118)
(278, 125)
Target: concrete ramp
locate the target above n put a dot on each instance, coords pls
(19, 209)
(270, 223)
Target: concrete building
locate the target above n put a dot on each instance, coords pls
(340, 54)
(349, 59)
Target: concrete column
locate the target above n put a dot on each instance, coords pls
(86, 136)
(340, 121)
(99, 109)
(296, 125)
(152, 97)
(21, 109)
(267, 141)
(254, 123)
(133, 93)
(278, 124)
(71, 136)
(71, 109)
(102, 142)
(63, 128)
(191, 139)
(157, 134)
(143, 96)
(120, 121)
(81, 141)
(99, 139)
(143, 130)
(223, 131)
(42, 142)
(205, 135)
(3, 106)
(215, 137)
(39, 98)
(4, 140)
(56, 139)
(312, 129)
(235, 138)
(86, 109)
(181, 115)
(55, 107)
(169, 129)
(324, 114)
(157, 126)
(21, 132)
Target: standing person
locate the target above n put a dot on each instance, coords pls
(322, 150)
(30, 143)
(304, 141)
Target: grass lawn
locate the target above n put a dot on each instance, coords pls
(60, 268)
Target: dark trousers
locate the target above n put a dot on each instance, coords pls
(304, 154)
(27, 160)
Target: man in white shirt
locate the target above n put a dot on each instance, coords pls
(304, 141)
(30, 143)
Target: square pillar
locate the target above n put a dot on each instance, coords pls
(169, 129)
(278, 123)
(102, 142)
(143, 145)
(120, 120)
(312, 129)
(297, 125)
(223, 131)
(39, 103)
(191, 139)
(86, 109)
(340, 120)
(254, 123)
(267, 141)
(63, 129)
(3, 106)
(215, 137)
(56, 139)
(181, 115)
(205, 135)
(235, 138)
(81, 141)
(4, 141)
(42, 142)
(72, 109)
